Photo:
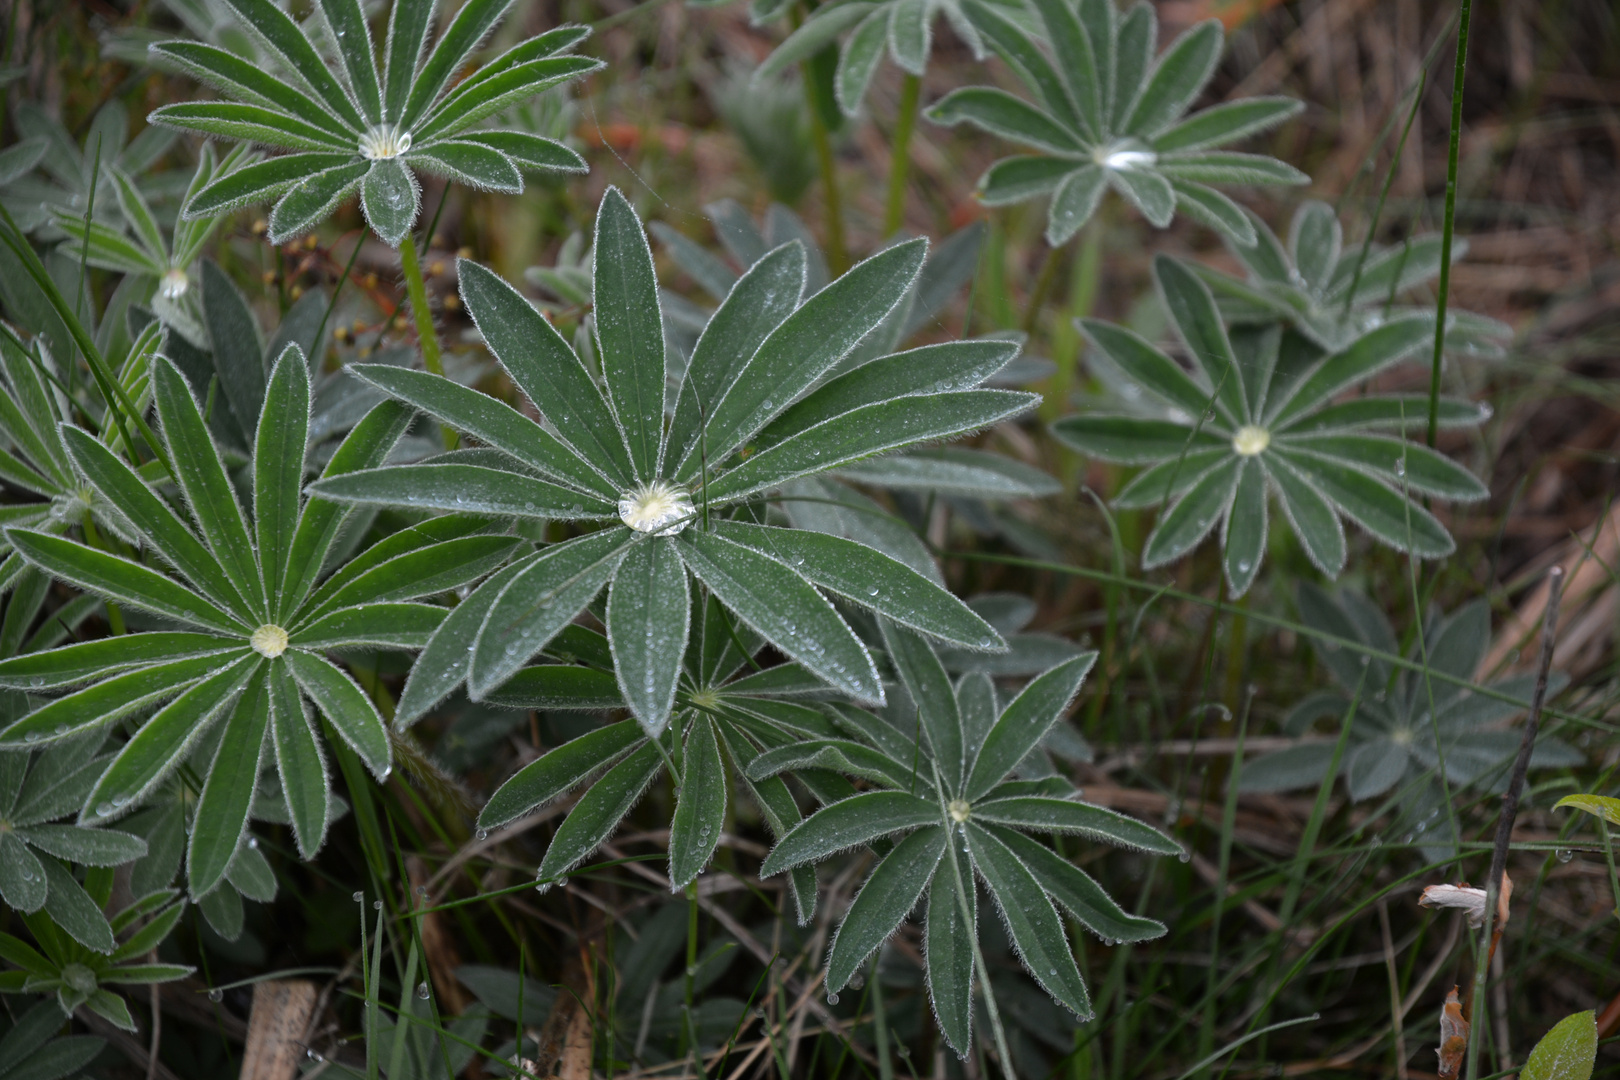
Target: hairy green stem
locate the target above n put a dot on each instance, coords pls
(837, 250)
(1450, 226)
(416, 290)
(900, 153)
(1066, 341)
(1043, 288)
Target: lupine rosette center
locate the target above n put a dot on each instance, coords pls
(659, 508)
(384, 141)
(959, 810)
(1250, 440)
(173, 284)
(1125, 155)
(269, 641)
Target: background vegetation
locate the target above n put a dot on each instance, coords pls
(1296, 899)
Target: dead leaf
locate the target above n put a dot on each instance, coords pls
(1470, 899)
(1453, 1037)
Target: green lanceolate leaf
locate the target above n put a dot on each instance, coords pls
(492, 422)
(846, 824)
(1064, 816)
(162, 742)
(885, 899)
(390, 197)
(773, 599)
(808, 343)
(227, 795)
(595, 817)
(201, 476)
(121, 579)
(871, 579)
(1032, 922)
(278, 469)
(1024, 723)
(629, 325)
(345, 706)
(933, 697)
(647, 626)
(554, 773)
(546, 369)
(953, 907)
(539, 601)
(700, 810)
(1073, 888)
(299, 761)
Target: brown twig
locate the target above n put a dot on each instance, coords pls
(1510, 801)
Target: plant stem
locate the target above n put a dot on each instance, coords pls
(900, 153)
(1464, 18)
(1066, 343)
(837, 250)
(880, 1022)
(1043, 288)
(416, 289)
(1510, 801)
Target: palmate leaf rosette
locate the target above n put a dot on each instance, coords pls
(252, 619)
(904, 29)
(140, 248)
(1333, 292)
(81, 976)
(956, 817)
(34, 792)
(1107, 113)
(1393, 735)
(727, 708)
(35, 459)
(368, 123)
(1257, 415)
(748, 418)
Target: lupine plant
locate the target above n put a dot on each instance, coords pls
(947, 787)
(168, 263)
(366, 125)
(255, 619)
(79, 975)
(726, 701)
(1404, 727)
(1108, 114)
(747, 418)
(1333, 292)
(1259, 415)
(726, 592)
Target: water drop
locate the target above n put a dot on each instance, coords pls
(1400, 466)
(376, 905)
(1565, 855)
(1185, 856)
(421, 892)
(359, 897)
(482, 834)
(216, 995)
(104, 810)
(313, 1055)
(422, 990)
(253, 842)
(61, 729)
(873, 591)
(832, 999)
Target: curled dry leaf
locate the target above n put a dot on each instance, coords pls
(1453, 1032)
(1468, 898)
